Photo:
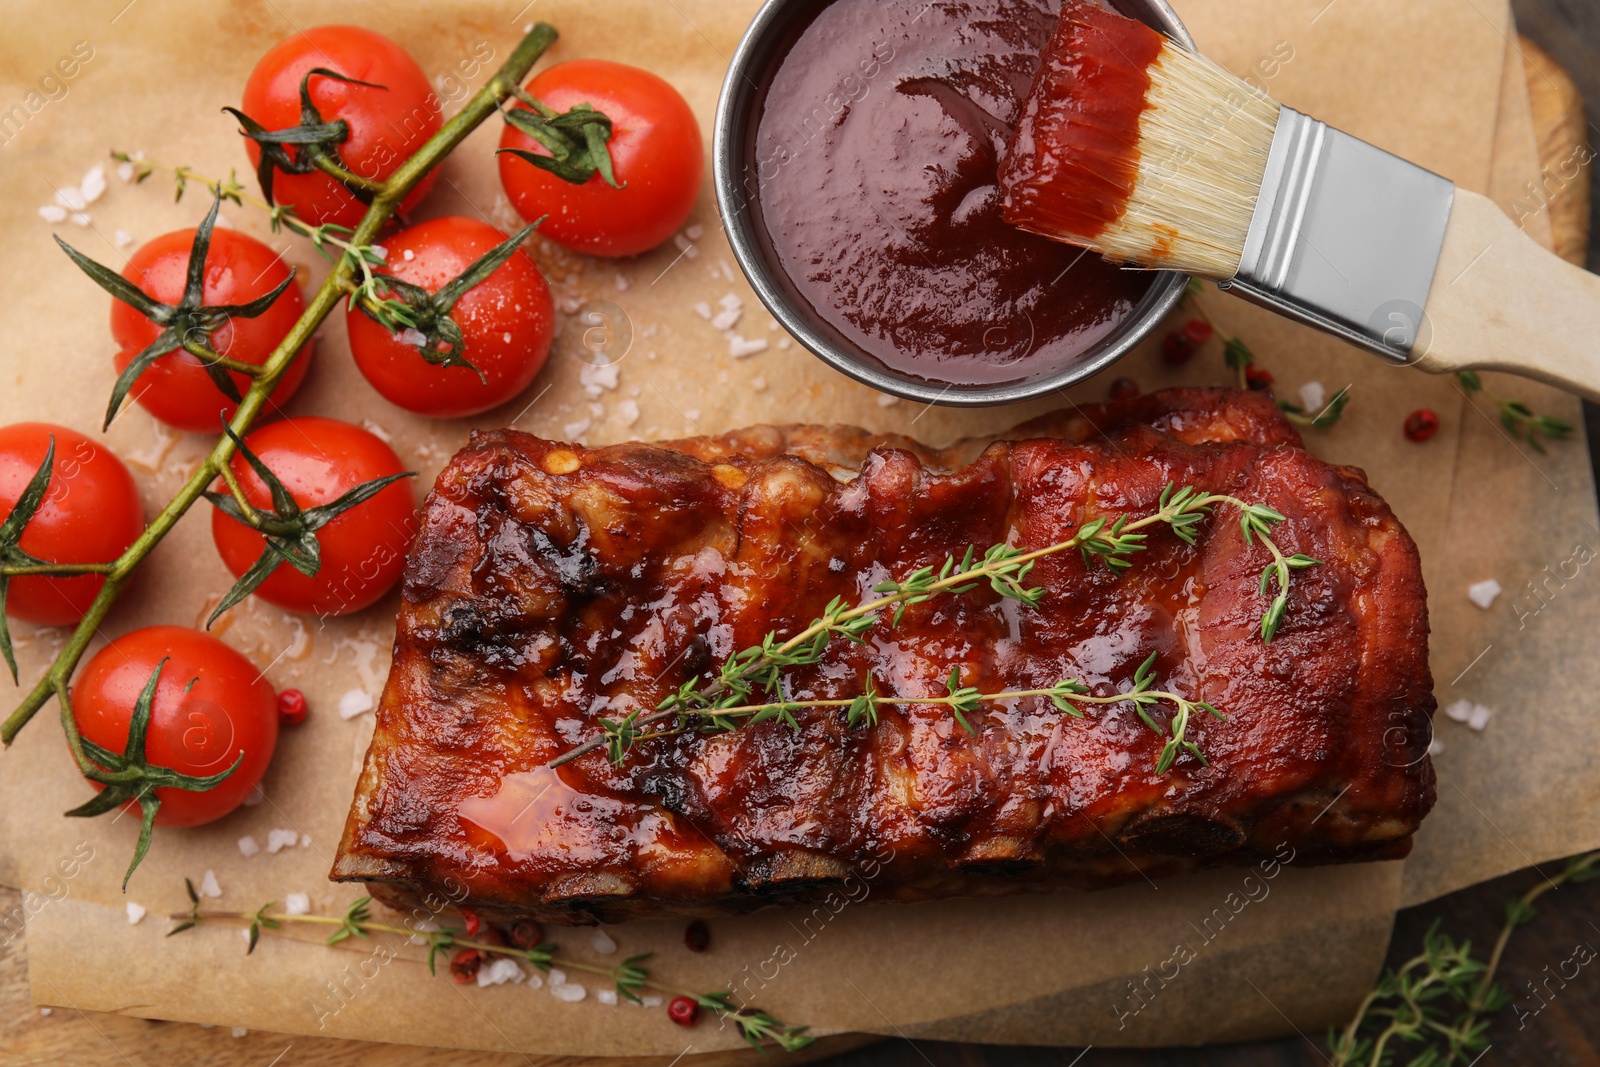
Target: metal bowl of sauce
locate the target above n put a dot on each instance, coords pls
(856, 148)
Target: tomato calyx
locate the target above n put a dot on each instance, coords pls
(290, 532)
(576, 139)
(314, 143)
(12, 558)
(128, 776)
(436, 336)
(188, 324)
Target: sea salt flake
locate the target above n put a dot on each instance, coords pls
(651, 1001)
(135, 913)
(535, 982)
(628, 412)
(695, 232)
(731, 301)
(702, 309)
(248, 846)
(78, 218)
(1484, 593)
(71, 199)
(257, 795)
(52, 213)
(1436, 747)
(606, 996)
(574, 430)
(1313, 396)
(408, 255)
(412, 336)
(278, 840)
(622, 283)
(739, 348)
(354, 702)
(602, 943)
(305, 840)
(727, 319)
(569, 993)
(1479, 719)
(93, 185)
(1460, 711)
(239, 1031)
(297, 904)
(125, 171)
(887, 401)
(784, 343)
(758, 383)
(377, 431)
(123, 238)
(208, 884)
(499, 971)
(44, 1011)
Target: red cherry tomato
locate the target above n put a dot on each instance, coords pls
(656, 153)
(387, 125)
(176, 388)
(91, 514)
(196, 731)
(363, 549)
(1421, 425)
(507, 322)
(1181, 344)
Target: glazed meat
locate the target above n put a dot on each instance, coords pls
(553, 586)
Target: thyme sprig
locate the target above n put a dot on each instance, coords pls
(187, 325)
(1439, 1003)
(629, 976)
(1239, 358)
(1518, 419)
(577, 140)
(748, 687)
(288, 531)
(56, 681)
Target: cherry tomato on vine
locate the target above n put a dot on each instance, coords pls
(198, 730)
(507, 323)
(656, 154)
(386, 126)
(90, 514)
(176, 388)
(363, 550)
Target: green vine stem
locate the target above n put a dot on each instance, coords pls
(629, 976)
(484, 103)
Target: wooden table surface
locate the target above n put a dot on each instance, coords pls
(1565, 1034)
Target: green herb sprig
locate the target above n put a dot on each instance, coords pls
(748, 688)
(1434, 1010)
(629, 977)
(1518, 419)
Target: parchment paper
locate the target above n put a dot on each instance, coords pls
(1226, 955)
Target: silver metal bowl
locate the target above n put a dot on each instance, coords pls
(768, 38)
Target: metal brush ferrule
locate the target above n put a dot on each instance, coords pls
(1345, 237)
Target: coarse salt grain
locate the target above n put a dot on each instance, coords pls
(628, 412)
(123, 238)
(44, 1011)
(505, 338)
(377, 431)
(693, 414)
(651, 1001)
(606, 996)
(412, 336)
(297, 904)
(52, 213)
(730, 301)
(70, 199)
(1484, 593)
(702, 309)
(602, 943)
(1436, 747)
(78, 218)
(255, 797)
(1313, 396)
(784, 343)
(887, 401)
(354, 702)
(93, 185)
(244, 935)
(239, 1031)
(499, 971)
(727, 319)
(739, 348)
(535, 982)
(567, 992)
(597, 377)
(574, 430)
(1480, 717)
(248, 846)
(305, 840)
(125, 171)
(695, 232)
(208, 884)
(622, 283)
(278, 840)
(135, 912)
(758, 383)
(1460, 711)
(408, 255)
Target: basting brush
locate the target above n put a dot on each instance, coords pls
(1157, 157)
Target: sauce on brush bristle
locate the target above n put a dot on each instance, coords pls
(1073, 160)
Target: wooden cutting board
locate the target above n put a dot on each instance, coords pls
(67, 1036)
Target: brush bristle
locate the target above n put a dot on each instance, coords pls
(1169, 185)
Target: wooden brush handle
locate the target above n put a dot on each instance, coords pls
(1500, 301)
